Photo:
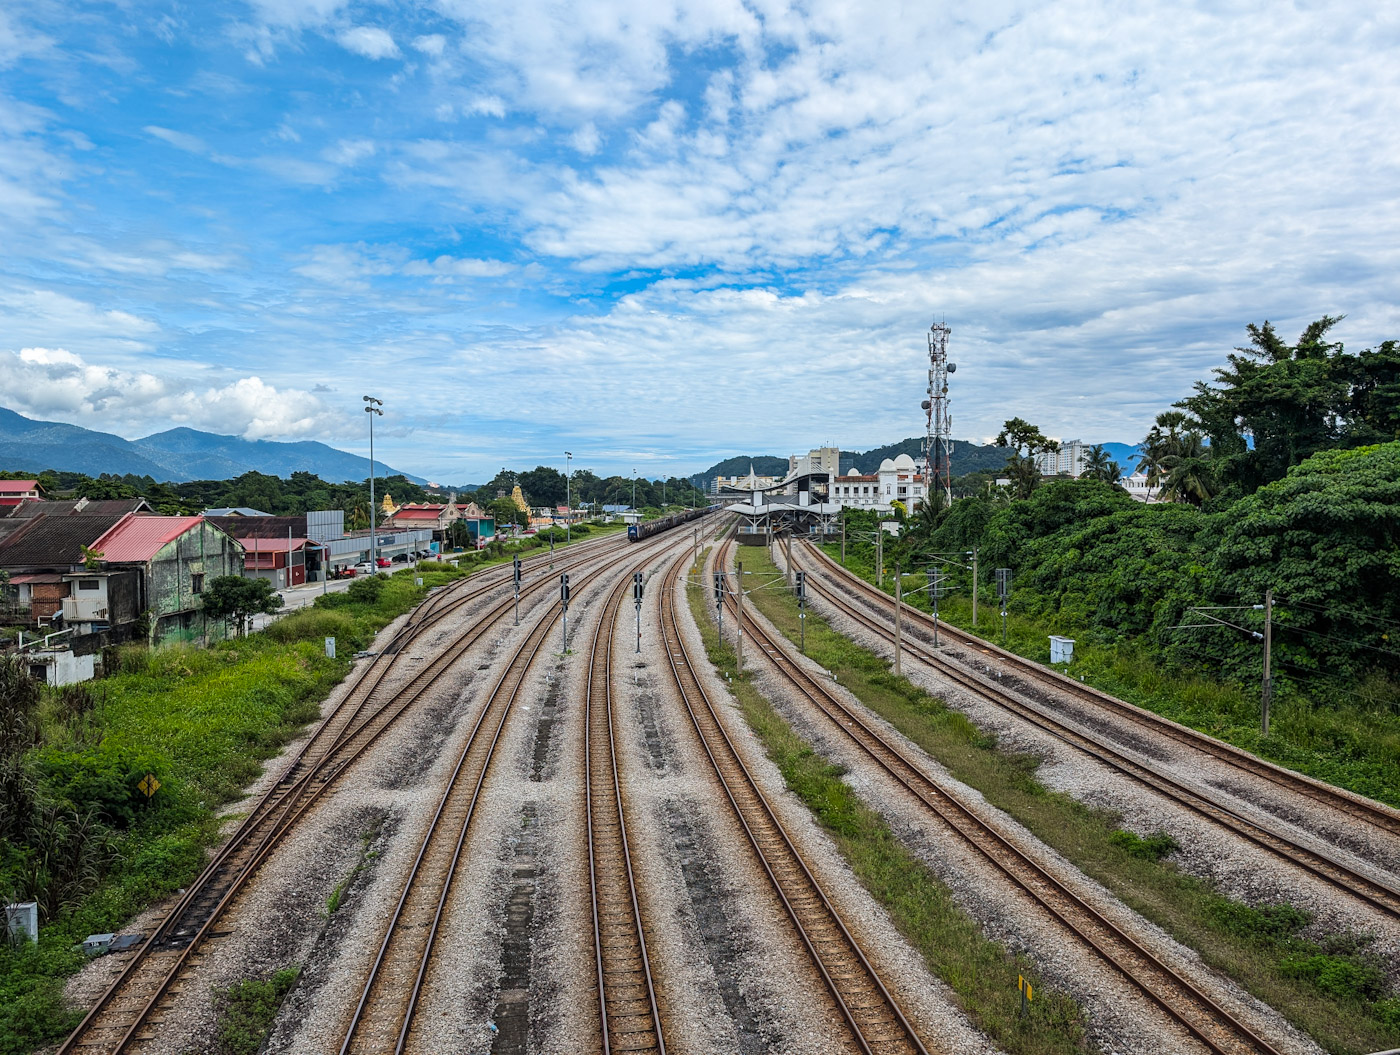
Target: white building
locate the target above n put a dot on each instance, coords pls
(1070, 460)
(1137, 488)
(897, 480)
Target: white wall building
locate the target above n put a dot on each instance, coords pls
(1137, 488)
(897, 480)
(1070, 460)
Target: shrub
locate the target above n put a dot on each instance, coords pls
(1337, 975)
(366, 590)
(103, 779)
(250, 1010)
(1153, 848)
(313, 624)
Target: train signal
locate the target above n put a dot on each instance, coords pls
(637, 586)
(1003, 583)
(564, 588)
(515, 570)
(801, 585)
(719, 587)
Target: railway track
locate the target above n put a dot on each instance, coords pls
(1354, 806)
(1196, 1011)
(628, 1013)
(1378, 895)
(384, 1018)
(123, 1017)
(876, 1022)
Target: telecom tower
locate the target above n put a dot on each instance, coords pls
(938, 440)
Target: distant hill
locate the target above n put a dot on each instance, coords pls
(176, 456)
(968, 457)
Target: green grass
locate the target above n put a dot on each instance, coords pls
(249, 1009)
(1342, 739)
(1262, 948)
(982, 973)
(337, 896)
(203, 721)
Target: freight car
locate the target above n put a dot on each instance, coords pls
(637, 532)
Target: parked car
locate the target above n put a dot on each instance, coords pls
(399, 558)
(363, 568)
(384, 562)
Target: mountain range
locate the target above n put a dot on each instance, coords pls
(174, 456)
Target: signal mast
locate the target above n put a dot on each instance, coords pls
(938, 438)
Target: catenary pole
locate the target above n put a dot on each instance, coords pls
(898, 609)
(1268, 660)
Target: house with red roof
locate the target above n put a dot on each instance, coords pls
(13, 492)
(439, 518)
(176, 557)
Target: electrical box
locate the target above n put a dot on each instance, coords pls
(1061, 649)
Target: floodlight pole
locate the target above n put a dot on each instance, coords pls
(568, 498)
(372, 406)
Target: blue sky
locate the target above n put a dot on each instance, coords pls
(656, 233)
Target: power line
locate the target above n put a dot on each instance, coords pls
(1312, 675)
(1334, 637)
(1350, 613)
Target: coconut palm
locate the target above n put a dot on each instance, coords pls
(1176, 458)
(1101, 466)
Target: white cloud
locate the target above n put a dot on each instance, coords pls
(369, 41)
(431, 44)
(180, 140)
(56, 383)
(586, 139)
(350, 151)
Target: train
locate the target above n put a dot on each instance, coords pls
(637, 532)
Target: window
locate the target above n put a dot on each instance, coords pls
(197, 583)
(88, 584)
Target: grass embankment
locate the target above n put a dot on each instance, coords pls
(1351, 739)
(982, 973)
(90, 847)
(1330, 987)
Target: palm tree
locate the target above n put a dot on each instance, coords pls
(1177, 459)
(1100, 466)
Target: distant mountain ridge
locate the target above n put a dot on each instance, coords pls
(968, 457)
(174, 456)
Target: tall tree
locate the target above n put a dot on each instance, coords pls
(1025, 441)
(1101, 466)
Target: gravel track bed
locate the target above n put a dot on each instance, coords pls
(926, 1001)
(1312, 823)
(1120, 1018)
(1239, 868)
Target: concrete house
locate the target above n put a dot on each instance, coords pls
(176, 557)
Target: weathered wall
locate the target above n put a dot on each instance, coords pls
(174, 605)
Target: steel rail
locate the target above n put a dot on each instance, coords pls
(1353, 805)
(628, 1014)
(384, 1008)
(114, 1022)
(1378, 895)
(1175, 994)
(876, 1022)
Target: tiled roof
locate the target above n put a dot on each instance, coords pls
(54, 541)
(418, 513)
(138, 539)
(17, 486)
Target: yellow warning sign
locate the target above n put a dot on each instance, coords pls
(149, 785)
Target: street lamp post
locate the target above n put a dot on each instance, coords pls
(568, 498)
(372, 406)
(634, 490)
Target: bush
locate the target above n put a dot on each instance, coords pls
(1337, 975)
(314, 624)
(1153, 848)
(366, 590)
(103, 779)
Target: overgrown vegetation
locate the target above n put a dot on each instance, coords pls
(1331, 987)
(982, 973)
(77, 833)
(249, 1009)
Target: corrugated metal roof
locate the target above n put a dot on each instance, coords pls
(418, 513)
(272, 545)
(138, 538)
(20, 486)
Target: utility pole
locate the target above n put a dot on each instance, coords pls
(788, 546)
(719, 603)
(898, 606)
(974, 587)
(739, 632)
(515, 577)
(568, 501)
(1268, 659)
(879, 555)
(637, 585)
(802, 609)
(843, 538)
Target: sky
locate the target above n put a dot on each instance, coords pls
(656, 233)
